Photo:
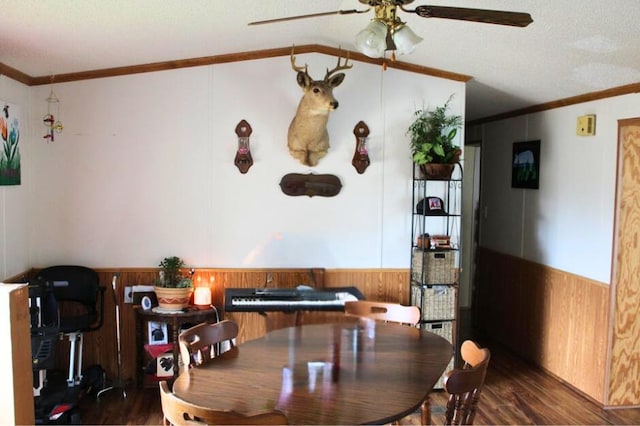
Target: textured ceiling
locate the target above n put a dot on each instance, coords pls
(573, 47)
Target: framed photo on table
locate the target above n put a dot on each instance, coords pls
(157, 333)
(164, 365)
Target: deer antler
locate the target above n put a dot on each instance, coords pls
(338, 67)
(297, 67)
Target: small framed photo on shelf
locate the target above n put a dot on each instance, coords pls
(157, 332)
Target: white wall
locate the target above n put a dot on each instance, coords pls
(144, 169)
(568, 223)
(14, 250)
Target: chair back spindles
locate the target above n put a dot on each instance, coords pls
(465, 384)
(203, 342)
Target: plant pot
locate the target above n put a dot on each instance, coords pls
(173, 299)
(437, 171)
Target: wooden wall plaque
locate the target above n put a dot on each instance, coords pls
(325, 185)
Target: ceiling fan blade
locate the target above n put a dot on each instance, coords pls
(515, 19)
(311, 15)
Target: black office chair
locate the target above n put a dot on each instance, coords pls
(80, 296)
(45, 327)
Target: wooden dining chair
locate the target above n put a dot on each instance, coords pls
(177, 412)
(463, 386)
(203, 342)
(383, 311)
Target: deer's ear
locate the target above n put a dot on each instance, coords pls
(303, 79)
(336, 80)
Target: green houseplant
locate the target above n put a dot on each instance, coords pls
(432, 133)
(171, 276)
(172, 287)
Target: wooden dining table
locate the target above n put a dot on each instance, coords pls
(352, 372)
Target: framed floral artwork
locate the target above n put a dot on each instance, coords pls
(10, 126)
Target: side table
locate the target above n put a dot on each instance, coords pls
(174, 321)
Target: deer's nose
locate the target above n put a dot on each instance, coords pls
(334, 104)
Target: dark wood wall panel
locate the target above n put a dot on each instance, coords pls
(100, 346)
(554, 319)
(389, 285)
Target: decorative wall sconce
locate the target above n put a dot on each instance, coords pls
(53, 126)
(243, 160)
(361, 155)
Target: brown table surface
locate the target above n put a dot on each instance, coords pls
(346, 373)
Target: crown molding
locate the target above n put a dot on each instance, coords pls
(14, 74)
(309, 48)
(221, 59)
(579, 99)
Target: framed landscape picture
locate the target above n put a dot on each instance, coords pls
(525, 166)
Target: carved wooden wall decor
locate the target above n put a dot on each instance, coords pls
(361, 155)
(295, 184)
(243, 160)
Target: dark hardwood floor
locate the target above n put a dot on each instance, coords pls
(515, 393)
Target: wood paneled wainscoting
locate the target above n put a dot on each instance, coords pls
(100, 346)
(554, 319)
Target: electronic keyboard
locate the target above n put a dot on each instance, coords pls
(288, 299)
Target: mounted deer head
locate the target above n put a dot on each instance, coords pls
(308, 138)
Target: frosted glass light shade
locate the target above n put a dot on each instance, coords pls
(202, 296)
(405, 40)
(372, 40)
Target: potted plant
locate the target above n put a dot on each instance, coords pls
(432, 133)
(172, 287)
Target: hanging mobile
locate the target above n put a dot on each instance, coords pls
(53, 126)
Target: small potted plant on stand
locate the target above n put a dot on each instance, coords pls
(432, 133)
(172, 288)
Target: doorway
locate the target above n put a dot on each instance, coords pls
(623, 389)
(470, 208)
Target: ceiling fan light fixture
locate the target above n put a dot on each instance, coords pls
(372, 40)
(405, 40)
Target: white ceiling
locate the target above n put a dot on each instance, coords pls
(573, 47)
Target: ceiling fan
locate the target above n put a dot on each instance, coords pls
(387, 31)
